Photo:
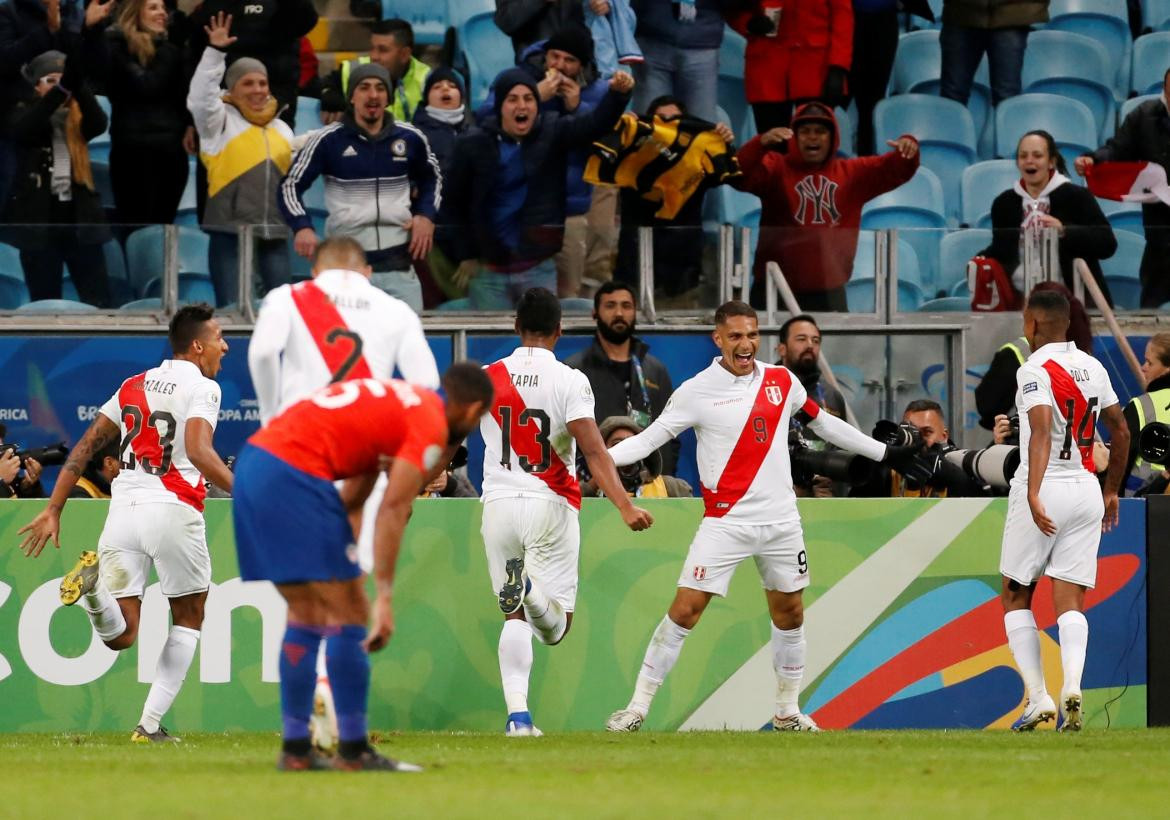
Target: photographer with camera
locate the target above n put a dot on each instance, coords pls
(20, 471)
(1150, 407)
(99, 473)
(642, 479)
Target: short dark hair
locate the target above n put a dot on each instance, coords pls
(924, 406)
(539, 312)
(733, 308)
(1053, 150)
(467, 382)
(187, 325)
(802, 317)
(663, 101)
(613, 286)
(1051, 303)
(396, 27)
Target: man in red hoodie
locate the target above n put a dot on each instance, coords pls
(811, 202)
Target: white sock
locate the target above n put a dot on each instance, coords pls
(1024, 641)
(104, 612)
(173, 664)
(546, 616)
(665, 646)
(515, 664)
(788, 651)
(1074, 640)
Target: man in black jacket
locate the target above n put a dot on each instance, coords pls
(529, 21)
(626, 379)
(1145, 135)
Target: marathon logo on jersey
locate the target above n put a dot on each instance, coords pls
(818, 201)
(700, 573)
(1030, 387)
(774, 394)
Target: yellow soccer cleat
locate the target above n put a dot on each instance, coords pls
(140, 735)
(81, 579)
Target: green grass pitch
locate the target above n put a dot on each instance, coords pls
(1119, 773)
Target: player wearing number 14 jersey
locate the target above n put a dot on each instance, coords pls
(1055, 507)
(531, 497)
(164, 418)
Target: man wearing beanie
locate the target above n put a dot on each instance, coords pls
(371, 163)
(507, 192)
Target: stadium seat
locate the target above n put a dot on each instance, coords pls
(193, 287)
(1127, 261)
(1070, 65)
(455, 304)
(845, 130)
(945, 132)
(115, 259)
(487, 51)
(143, 304)
(308, 115)
(69, 290)
(1123, 216)
(56, 306)
(13, 293)
(915, 208)
(576, 305)
(864, 266)
(10, 262)
(946, 304)
(1126, 292)
(730, 85)
(1132, 103)
(1070, 122)
(428, 18)
(981, 183)
(859, 296)
(101, 181)
(954, 252)
(144, 254)
(458, 11)
(1156, 15)
(1151, 58)
(1107, 22)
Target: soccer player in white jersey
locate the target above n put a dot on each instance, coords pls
(335, 327)
(1056, 511)
(542, 409)
(740, 410)
(164, 418)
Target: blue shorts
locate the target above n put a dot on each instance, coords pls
(290, 526)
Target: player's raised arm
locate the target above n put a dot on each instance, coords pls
(47, 524)
(604, 472)
(405, 482)
(1114, 422)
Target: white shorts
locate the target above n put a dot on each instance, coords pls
(1071, 554)
(172, 537)
(548, 535)
(719, 547)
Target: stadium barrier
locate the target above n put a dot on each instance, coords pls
(903, 621)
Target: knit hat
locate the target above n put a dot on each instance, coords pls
(368, 71)
(242, 66)
(575, 40)
(444, 73)
(50, 62)
(508, 79)
(652, 462)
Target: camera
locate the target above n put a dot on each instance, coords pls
(53, 455)
(837, 465)
(897, 433)
(1154, 443)
(992, 466)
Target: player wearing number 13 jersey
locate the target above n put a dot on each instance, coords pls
(1055, 507)
(530, 493)
(164, 418)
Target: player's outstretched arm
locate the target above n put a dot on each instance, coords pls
(202, 454)
(1039, 449)
(47, 524)
(405, 482)
(605, 473)
(846, 436)
(1118, 460)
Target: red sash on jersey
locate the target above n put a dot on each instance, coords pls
(146, 445)
(522, 437)
(1064, 390)
(330, 333)
(753, 445)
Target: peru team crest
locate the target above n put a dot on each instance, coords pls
(773, 394)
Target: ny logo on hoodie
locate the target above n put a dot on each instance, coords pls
(818, 199)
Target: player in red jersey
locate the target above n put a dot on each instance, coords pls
(294, 528)
(164, 418)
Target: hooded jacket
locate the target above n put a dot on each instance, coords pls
(814, 211)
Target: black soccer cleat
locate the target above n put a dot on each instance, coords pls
(370, 761)
(512, 592)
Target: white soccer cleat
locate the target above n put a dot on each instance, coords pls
(624, 720)
(323, 721)
(799, 722)
(1034, 714)
(1072, 718)
(520, 725)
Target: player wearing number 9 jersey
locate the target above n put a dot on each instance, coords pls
(164, 418)
(542, 409)
(1055, 507)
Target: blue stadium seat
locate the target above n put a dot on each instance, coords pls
(955, 251)
(115, 259)
(1151, 58)
(731, 52)
(13, 293)
(308, 115)
(731, 95)
(1156, 15)
(946, 304)
(101, 181)
(848, 140)
(56, 306)
(945, 132)
(428, 18)
(859, 296)
(144, 254)
(1126, 262)
(1107, 22)
(1126, 292)
(1123, 216)
(1132, 103)
(859, 290)
(1070, 65)
(459, 11)
(10, 262)
(576, 305)
(143, 304)
(916, 208)
(455, 304)
(980, 185)
(193, 287)
(487, 51)
(1070, 122)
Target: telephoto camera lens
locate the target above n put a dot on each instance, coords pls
(1154, 442)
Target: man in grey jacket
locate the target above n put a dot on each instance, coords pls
(998, 28)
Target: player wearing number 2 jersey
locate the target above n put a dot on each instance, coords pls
(164, 419)
(531, 497)
(1055, 508)
(740, 410)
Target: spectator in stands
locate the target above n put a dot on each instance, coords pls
(678, 241)
(309, 78)
(794, 57)
(147, 85)
(392, 47)
(642, 479)
(812, 200)
(1042, 198)
(680, 43)
(1145, 135)
(371, 163)
(507, 191)
(54, 196)
(997, 28)
(1152, 405)
(102, 469)
(269, 31)
(528, 21)
(12, 483)
(246, 149)
(626, 379)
